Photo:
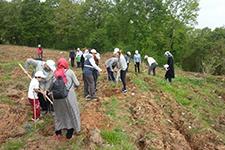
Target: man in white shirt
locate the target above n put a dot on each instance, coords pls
(152, 64)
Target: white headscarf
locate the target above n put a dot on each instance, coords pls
(168, 54)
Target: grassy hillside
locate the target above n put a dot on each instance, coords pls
(187, 114)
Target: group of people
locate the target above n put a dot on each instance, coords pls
(41, 94)
(48, 77)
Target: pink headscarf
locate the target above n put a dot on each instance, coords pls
(60, 70)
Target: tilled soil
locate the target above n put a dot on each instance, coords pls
(162, 124)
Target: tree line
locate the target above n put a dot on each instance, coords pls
(150, 26)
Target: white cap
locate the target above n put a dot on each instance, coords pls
(78, 49)
(93, 51)
(146, 56)
(39, 45)
(39, 74)
(116, 50)
(136, 52)
(51, 64)
(128, 53)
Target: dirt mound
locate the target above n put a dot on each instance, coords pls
(92, 117)
(11, 120)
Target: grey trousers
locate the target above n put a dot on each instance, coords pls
(89, 85)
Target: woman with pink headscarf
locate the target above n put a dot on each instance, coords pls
(67, 114)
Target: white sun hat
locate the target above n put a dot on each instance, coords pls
(116, 50)
(39, 74)
(51, 65)
(93, 51)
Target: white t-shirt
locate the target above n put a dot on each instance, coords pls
(151, 61)
(34, 84)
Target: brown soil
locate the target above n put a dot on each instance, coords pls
(158, 124)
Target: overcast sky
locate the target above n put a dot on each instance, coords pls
(211, 14)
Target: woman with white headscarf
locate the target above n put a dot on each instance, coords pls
(170, 67)
(137, 61)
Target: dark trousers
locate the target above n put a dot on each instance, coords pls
(95, 76)
(152, 69)
(44, 103)
(72, 61)
(169, 79)
(137, 67)
(89, 85)
(127, 66)
(110, 75)
(123, 78)
(78, 64)
(69, 133)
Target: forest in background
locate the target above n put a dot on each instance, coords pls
(150, 26)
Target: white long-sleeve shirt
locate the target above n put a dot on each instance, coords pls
(34, 84)
(150, 61)
(122, 63)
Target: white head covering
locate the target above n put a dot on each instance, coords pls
(39, 45)
(136, 52)
(93, 51)
(51, 65)
(146, 56)
(78, 49)
(128, 53)
(39, 74)
(116, 50)
(168, 54)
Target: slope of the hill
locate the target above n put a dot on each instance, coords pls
(188, 114)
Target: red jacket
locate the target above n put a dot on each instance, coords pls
(39, 50)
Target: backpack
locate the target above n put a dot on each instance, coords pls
(59, 89)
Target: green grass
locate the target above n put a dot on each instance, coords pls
(197, 96)
(111, 107)
(141, 84)
(6, 100)
(118, 139)
(14, 144)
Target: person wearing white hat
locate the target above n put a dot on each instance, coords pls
(40, 52)
(122, 66)
(128, 57)
(89, 82)
(48, 69)
(170, 73)
(79, 53)
(96, 56)
(32, 94)
(137, 61)
(152, 64)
